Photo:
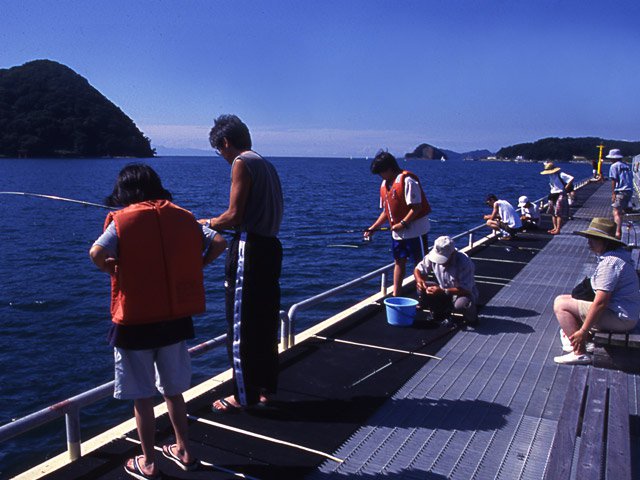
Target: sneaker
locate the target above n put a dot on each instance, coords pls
(567, 347)
(589, 347)
(573, 359)
(448, 323)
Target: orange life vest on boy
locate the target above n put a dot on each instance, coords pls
(394, 203)
(159, 275)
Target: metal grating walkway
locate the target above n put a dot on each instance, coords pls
(489, 409)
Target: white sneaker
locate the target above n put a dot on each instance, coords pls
(589, 347)
(566, 344)
(573, 359)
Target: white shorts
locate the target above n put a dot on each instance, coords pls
(608, 320)
(140, 373)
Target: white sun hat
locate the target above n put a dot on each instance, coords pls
(614, 153)
(522, 201)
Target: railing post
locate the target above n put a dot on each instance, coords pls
(470, 239)
(284, 330)
(72, 420)
(383, 283)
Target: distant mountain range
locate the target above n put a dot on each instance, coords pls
(551, 148)
(567, 148)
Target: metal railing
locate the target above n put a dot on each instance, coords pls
(70, 408)
(289, 318)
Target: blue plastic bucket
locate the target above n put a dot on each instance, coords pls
(401, 311)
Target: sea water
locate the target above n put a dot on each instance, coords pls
(54, 303)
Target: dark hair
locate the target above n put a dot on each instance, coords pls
(136, 183)
(384, 161)
(490, 197)
(231, 128)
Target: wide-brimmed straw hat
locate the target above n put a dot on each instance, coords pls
(615, 153)
(549, 168)
(442, 250)
(603, 228)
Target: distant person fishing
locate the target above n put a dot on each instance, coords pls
(560, 185)
(405, 206)
(621, 187)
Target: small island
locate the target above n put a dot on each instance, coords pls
(48, 110)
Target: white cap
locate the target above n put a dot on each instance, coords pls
(522, 201)
(442, 249)
(614, 153)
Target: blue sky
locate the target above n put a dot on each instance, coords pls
(346, 78)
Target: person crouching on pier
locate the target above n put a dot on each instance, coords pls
(455, 287)
(153, 251)
(503, 218)
(616, 296)
(406, 208)
(529, 214)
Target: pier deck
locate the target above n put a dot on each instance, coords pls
(487, 409)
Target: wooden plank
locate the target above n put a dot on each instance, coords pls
(618, 450)
(629, 340)
(617, 358)
(559, 465)
(593, 427)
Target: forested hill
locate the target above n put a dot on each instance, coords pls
(567, 148)
(46, 109)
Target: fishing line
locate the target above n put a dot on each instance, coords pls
(81, 202)
(342, 232)
(264, 437)
(61, 199)
(98, 205)
(377, 347)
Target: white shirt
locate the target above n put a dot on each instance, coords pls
(555, 184)
(508, 214)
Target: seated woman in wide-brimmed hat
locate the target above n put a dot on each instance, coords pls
(616, 303)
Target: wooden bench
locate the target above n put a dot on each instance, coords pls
(617, 351)
(592, 439)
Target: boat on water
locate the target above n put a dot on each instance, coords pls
(359, 396)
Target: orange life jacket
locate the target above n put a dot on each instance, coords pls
(159, 275)
(394, 203)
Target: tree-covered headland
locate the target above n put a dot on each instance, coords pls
(567, 148)
(48, 110)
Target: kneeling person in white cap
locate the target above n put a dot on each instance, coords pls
(529, 214)
(455, 287)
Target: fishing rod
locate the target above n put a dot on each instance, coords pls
(98, 205)
(81, 202)
(61, 199)
(341, 232)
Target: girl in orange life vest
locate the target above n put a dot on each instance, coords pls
(405, 206)
(153, 251)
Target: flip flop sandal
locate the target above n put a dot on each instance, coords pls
(228, 407)
(136, 471)
(187, 467)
